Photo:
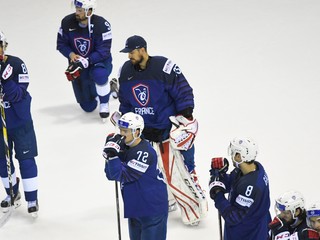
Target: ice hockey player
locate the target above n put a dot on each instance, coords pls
(290, 220)
(85, 40)
(313, 217)
(132, 161)
(155, 88)
(18, 130)
(246, 212)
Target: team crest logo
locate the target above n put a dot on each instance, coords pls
(82, 45)
(141, 94)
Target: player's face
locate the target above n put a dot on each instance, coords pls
(127, 133)
(136, 56)
(236, 159)
(315, 223)
(286, 215)
(80, 14)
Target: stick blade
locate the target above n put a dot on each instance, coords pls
(6, 216)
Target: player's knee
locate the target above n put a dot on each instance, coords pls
(100, 75)
(89, 106)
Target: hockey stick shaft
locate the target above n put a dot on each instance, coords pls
(220, 226)
(118, 210)
(6, 146)
(5, 218)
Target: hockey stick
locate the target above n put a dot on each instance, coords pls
(4, 219)
(114, 120)
(220, 226)
(118, 210)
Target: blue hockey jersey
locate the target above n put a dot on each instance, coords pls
(72, 38)
(144, 191)
(155, 93)
(246, 212)
(17, 100)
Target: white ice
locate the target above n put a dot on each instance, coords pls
(254, 67)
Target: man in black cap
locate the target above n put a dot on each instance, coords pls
(155, 88)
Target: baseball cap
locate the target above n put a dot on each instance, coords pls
(134, 42)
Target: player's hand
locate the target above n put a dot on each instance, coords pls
(113, 146)
(220, 164)
(75, 68)
(279, 228)
(216, 185)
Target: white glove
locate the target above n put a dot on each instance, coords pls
(83, 61)
(183, 132)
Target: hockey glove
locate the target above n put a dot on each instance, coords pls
(216, 184)
(220, 164)
(74, 69)
(114, 145)
(279, 227)
(183, 132)
(309, 234)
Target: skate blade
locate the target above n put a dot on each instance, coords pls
(104, 120)
(16, 205)
(34, 214)
(114, 95)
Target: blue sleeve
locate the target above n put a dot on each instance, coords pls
(63, 43)
(180, 90)
(113, 169)
(231, 214)
(243, 197)
(129, 171)
(102, 42)
(15, 87)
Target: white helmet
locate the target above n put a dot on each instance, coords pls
(132, 121)
(313, 211)
(246, 147)
(86, 5)
(290, 201)
(3, 40)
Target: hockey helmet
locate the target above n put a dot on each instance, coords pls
(246, 147)
(86, 5)
(3, 40)
(313, 211)
(290, 201)
(131, 121)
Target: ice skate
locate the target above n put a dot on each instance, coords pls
(6, 203)
(104, 111)
(114, 88)
(33, 208)
(173, 207)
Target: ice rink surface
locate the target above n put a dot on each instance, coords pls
(254, 68)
